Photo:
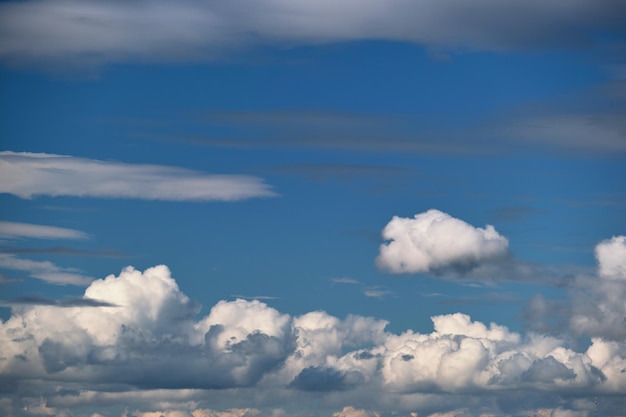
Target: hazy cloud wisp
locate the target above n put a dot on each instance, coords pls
(30, 174)
(14, 230)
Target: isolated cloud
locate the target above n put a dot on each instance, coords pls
(150, 345)
(30, 174)
(13, 230)
(96, 32)
(611, 256)
(435, 240)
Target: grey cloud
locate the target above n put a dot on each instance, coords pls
(579, 123)
(65, 302)
(364, 355)
(64, 251)
(316, 378)
(547, 370)
(513, 213)
(57, 356)
(343, 172)
(93, 33)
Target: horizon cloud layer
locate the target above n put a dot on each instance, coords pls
(145, 336)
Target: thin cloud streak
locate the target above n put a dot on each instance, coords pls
(31, 174)
(14, 230)
(64, 251)
(70, 33)
(65, 302)
(44, 270)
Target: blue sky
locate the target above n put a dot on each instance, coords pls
(363, 209)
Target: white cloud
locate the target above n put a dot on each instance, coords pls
(30, 174)
(598, 305)
(71, 32)
(611, 256)
(151, 347)
(350, 411)
(13, 230)
(44, 270)
(435, 240)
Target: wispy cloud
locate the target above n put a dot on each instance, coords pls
(96, 32)
(44, 270)
(4, 279)
(64, 251)
(344, 280)
(375, 292)
(587, 122)
(255, 297)
(30, 174)
(65, 302)
(513, 213)
(13, 230)
(343, 171)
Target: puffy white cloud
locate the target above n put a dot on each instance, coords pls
(30, 174)
(145, 343)
(350, 411)
(71, 32)
(611, 256)
(13, 230)
(435, 240)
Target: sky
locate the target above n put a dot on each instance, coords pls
(312, 208)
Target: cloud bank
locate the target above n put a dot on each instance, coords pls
(31, 174)
(96, 32)
(434, 240)
(142, 336)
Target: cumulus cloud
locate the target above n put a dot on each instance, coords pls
(611, 256)
(30, 174)
(151, 341)
(598, 304)
(97, 32)
(13, 230)
(350, 411)
(434, 240)
(595, 304)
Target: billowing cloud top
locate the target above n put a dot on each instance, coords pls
(75, 32)
(29, 174)
(142, 333)
(611, 256)
(435, 240)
